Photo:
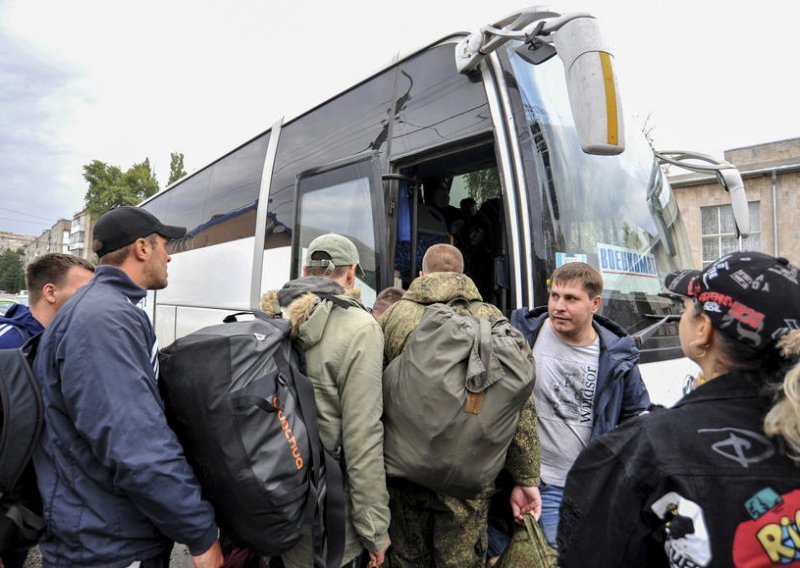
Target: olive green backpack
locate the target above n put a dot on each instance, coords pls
(452, 400)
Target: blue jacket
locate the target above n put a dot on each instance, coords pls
(620, 392)
(17, 326)
(115, 484)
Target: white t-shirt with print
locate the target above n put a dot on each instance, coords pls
(566, 381)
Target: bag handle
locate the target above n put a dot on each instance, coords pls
(258, 314)
(536, 534)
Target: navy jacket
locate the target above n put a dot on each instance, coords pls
(115, 484)
(17, 326)
(620, 392)
(698, 484)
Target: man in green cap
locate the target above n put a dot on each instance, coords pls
(343, 346)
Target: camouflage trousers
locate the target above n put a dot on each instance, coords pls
(429, 529)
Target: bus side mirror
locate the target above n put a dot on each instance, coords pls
(731, 180)
(592, 85)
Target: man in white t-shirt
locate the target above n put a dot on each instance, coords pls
(587, 380)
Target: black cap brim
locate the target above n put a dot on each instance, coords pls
(682, 282)
(171, 232)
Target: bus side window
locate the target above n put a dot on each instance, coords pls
(346, 199)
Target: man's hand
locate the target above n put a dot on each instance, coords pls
(376, 560)
(525, 500)
(211, 558)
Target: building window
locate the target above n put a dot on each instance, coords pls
(719, 232)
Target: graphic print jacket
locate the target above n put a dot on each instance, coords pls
(698, 484)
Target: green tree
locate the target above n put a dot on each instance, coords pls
(110, 187)
(176, 169)
(483, 184)
(12, 274)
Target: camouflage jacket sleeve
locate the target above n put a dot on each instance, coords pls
(523, 459)
(399, 323)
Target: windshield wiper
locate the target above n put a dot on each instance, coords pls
(641, 336)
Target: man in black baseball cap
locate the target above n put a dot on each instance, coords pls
(135, 241)
(97, 367)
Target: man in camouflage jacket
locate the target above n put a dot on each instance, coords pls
(429, 528)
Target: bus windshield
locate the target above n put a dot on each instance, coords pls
(617, 213)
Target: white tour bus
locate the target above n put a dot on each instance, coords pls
(485, 141)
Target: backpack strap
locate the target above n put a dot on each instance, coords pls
(473, 308)
(482, 351)
(29, 524)
(336, 300)
(22, 404)
(334, 511)
(21, 427)
(326, 477)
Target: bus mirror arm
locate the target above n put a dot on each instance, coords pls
(727, 175)
(640, 337)
(588, 64)
(526, 25)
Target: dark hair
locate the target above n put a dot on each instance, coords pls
(741, 356)
(779, 372)
(51, 268)
(590, 278)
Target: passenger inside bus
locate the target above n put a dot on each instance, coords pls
(437, 196)
(477, 227)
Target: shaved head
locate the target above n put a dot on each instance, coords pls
(442, 258)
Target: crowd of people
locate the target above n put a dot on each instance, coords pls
(613, 480)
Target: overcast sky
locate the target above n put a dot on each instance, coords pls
(120, 81)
